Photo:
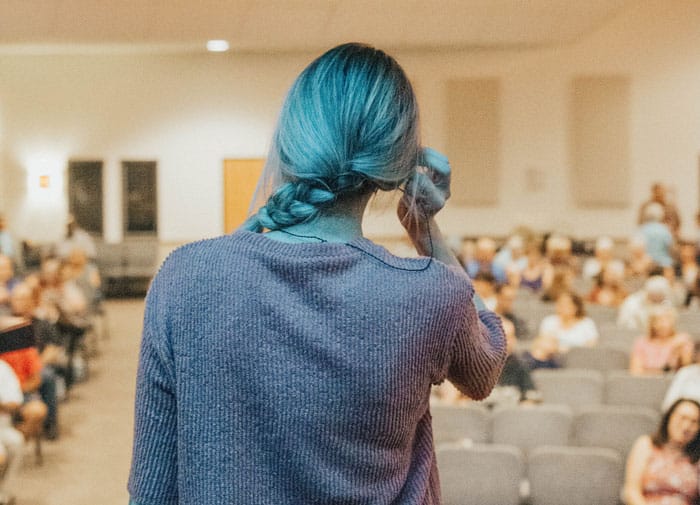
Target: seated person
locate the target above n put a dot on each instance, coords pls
(570, 325)
(505, 297)
(609, 290)
(11, 440)
(485, 286)
(52, 349)
(26, 364)
(686, 382)
(662, 469)
(511, 258)
(483, 261)
(558, 279)
(514, 384)
(639, 263)
(663, 349)
(531, 275)
(603, 255)
(544, 353)
(688, 271)
(634, 311)
(7, 283)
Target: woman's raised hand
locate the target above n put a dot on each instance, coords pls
(429, 189)
(425, 195)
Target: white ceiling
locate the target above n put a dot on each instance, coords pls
(297, 25)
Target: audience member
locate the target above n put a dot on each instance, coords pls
(688, 271)
(686, 382)
(662, 469)
(670, 216)
(609, 289)
(603, 255)
(561, 281)
(466, 252)
(483, 261)
(569, 324)
(86, 277)
(514, 384)
(7, 245)
(7, 283)
(543, 353)
(53, 353)
(505, 297)
(11, 440)
(531, 276)
(634, 311)
(559, 269)
(26, 364)
(76, 238)
(657, 236)
(485, 286)
(639, 263)
(512, 259)
(663, 349)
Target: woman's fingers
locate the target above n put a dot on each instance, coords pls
(436, 160)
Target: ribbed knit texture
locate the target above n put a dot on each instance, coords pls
(276, 373)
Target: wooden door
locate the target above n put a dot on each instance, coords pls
(240, 180)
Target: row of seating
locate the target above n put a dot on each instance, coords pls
(582, 387)
(551, 475)
(530, 426)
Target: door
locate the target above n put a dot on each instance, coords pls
(240, 179)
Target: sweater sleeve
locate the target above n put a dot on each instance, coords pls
(153, 477)
(478, 353)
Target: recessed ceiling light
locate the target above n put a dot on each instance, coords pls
(217, 46)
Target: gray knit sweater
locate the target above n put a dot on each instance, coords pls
(276, 373)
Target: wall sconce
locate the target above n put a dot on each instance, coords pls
(44, 181)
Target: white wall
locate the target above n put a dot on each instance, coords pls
(189, 112)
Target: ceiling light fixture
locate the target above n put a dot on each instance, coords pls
(217, 46)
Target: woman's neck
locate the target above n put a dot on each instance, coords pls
(341, 223)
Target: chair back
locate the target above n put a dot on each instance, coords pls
(530, 426)
(574, 476)
(480, 475)
(613, 427)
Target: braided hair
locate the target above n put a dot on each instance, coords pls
(348, 126)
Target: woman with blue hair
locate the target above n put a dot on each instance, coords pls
(291, 362)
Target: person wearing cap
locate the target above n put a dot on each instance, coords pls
(634, 311)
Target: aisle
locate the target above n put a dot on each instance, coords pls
(89, 464)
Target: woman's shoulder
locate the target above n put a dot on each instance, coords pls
(588, 323)
(643, 446)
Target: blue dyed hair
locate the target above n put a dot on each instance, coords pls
(349, 125)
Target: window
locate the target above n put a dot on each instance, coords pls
(140, 197)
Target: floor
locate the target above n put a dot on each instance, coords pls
(89, 464)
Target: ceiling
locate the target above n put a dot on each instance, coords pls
(297, 25)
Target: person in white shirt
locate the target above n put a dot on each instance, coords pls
(686, 383)
(634, 311)
(76, 238)
(11, 440)
(604, 254)
(570, 325)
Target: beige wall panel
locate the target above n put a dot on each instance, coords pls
(600, 141)
(473, 140)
